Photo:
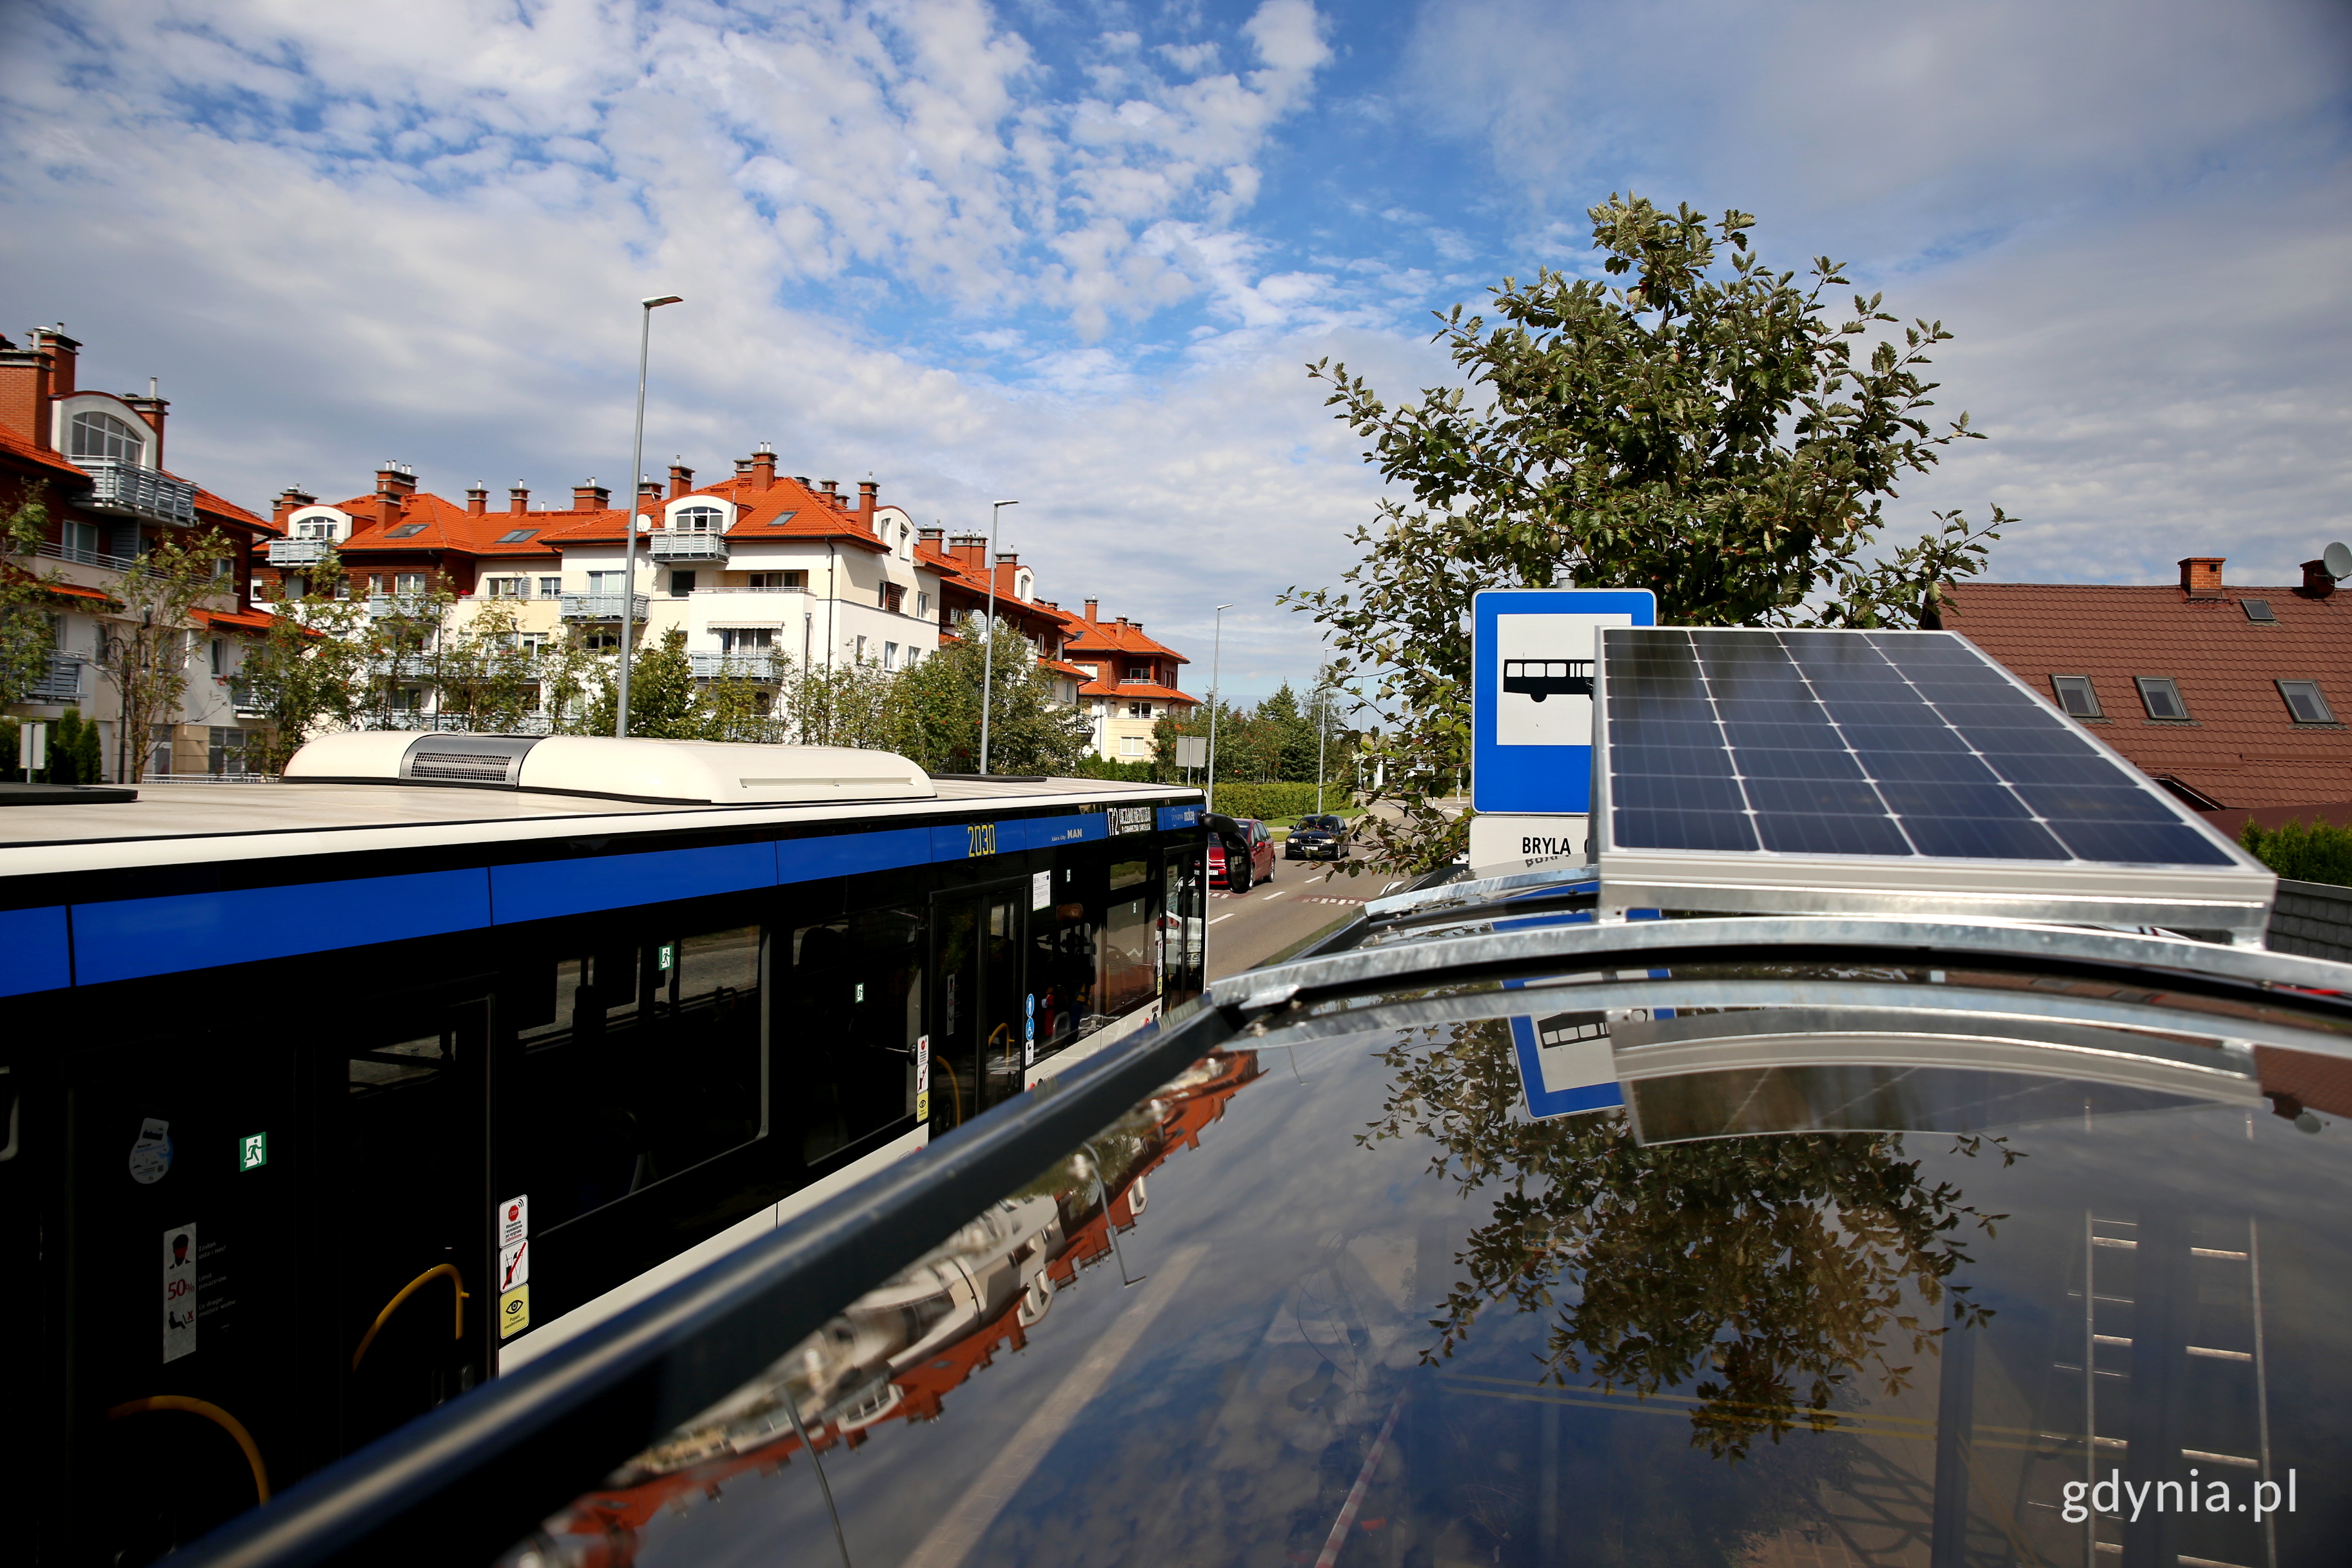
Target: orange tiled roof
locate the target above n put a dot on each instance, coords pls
(2242, 746)
(1137, 691)
(230, 512)
(243, 620)
(1110, 638)
(785, 510)
(18, 447)
(448, 526)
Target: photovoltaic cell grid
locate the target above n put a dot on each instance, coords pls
(1861, 743)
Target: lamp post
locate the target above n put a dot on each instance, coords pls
(1216, 659)
(629, 529)
(988, 646)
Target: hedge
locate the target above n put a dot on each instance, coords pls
(2312, 852)
(1272, 800)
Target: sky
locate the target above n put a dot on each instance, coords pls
(1079, 255)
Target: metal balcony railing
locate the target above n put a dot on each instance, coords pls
(667, 545)
(601, 606)
(399, 604)
(300, 551)
(242, 700)
(86, 557)
(62, 683)
(752, 665)
(121, 487)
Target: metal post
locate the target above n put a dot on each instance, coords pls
(988, 632)
(629, 528)
(1216, 660)
(1321, 706)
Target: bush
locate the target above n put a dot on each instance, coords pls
(1271, 800)
(2312, 852)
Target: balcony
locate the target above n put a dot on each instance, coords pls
(300, 551)
(601, 606)
(242, 700)
(667, 546)
(752, 664)
(86, 557)
(381, 605)
(126, 487)
(60, 683)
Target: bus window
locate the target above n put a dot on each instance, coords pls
(650, 1066)
(853, 1010)
(1129, 976)
(1061, 963)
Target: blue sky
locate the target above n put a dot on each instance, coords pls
(1078, 254)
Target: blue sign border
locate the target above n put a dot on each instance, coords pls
(1533, 780)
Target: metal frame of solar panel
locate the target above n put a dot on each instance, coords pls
(1881, 772)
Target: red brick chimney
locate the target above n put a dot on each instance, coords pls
(387, 504)
(869, 496)
(288, 501)
(2317, 584)
(2200, 577)
(398, 477)
(681, 478)
(764, 468)
(518, 500)
(477, 499)
(590, 497)
(934, 537)
(29, 382)
(1091, 605)
(971, 552)
(832, 488)
(151, 408)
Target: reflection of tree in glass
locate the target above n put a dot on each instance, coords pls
(1774, 1264)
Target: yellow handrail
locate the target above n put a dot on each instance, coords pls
(211, 1413)
(457, 1308)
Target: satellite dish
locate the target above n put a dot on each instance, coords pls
(2338, 559)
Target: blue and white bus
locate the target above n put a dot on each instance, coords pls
(329, 1099)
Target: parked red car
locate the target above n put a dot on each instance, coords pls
(1229, 867)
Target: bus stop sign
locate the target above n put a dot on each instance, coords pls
(1531, 694)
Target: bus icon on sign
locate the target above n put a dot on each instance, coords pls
(1540, 677)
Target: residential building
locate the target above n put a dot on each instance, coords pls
(764, 572)
(964, 575)
(96, 459)
(1132, 682)
(2230, 696)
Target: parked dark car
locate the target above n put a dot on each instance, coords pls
(1317, 837)
(1241, 853)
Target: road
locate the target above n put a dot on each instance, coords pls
(1247, 929)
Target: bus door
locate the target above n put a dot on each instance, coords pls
(978, 1044)
(406, 1217)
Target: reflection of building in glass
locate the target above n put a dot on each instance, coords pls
(898, 1351)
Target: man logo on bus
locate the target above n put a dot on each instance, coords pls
(1540, 677)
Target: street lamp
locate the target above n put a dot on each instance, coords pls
(1216, 657)
(629, 531)
(988, 647)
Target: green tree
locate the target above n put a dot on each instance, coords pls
(663, 703)
(1773, 1270)
(149, 638)
(27, 599)
(306, 671)
(936, 710)
(1707, 429)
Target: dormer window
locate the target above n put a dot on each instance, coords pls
(96, 434)
(317, 527)
(697, 520)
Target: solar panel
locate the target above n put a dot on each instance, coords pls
(1881, 770)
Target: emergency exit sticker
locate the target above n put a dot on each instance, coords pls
(179, 1291)
(253, 1151)
(923, 1078)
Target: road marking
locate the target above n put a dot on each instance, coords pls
(1277, 893)
(1226, 917)
(1328, 898)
